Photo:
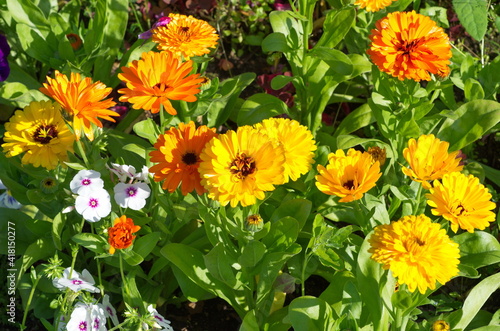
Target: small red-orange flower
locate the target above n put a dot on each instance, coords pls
(82, 99)
(408, 45)
(121, 235)
(156, 79)
(373, 5)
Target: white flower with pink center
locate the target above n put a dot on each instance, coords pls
(94, 205)
(87, 317)
(160, 322)
(85, 181)
(76, 281)
(132, 196)
(109, 310)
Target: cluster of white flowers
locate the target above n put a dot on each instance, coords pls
(93, 202)
(7, 200)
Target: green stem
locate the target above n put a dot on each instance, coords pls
(303, 272)
(363, 222)
(81, 151)
(417, 200)
(30, 298)
(123, 276)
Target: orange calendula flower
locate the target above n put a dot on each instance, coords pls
(348, 176)
(74, 40)
(156, 79)
(177, 153)
(463, 201)
(373, 5)
(429, 159)
(408, 45)
(121, 235)
(82, 99)
(417, 251)
(185, 36)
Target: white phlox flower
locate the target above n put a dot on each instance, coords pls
(161, 323)
(76, 282)
(94, 205)
(85, 181)
(132, 196)
(109, 310)
(87, 317)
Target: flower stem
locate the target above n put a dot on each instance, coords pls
(36, 279)
(81, 151)
(123, 276)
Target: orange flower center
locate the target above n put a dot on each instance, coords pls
(408, 47)
(242, 166)
(45, 133)
(349, 184)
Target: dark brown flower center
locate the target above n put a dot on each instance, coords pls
(419, 242)
(184, 30)
(242, 166)
(408, 47)
(190, 158)
(349, 184)
(161, 86)
(45, 133)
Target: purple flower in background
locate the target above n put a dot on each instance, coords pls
(162, 21)
(4, 64)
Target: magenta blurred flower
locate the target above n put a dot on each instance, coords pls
(282, 5)
(162, 21)
(285, 93)
(4, 64)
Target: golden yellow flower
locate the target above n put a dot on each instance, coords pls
(417, 251)
(185, 36)
(41, 132)
(297, 142)
(463, 201)
(82, 99)
(429, 159)
(348, 176)
(410, 45)
(177, 153)
(373, 5)
(440, 325)
(239, 167)
(156, 79)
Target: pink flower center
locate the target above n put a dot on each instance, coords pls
(76, 282)
(131, 191)
(86, 181)
(110, 312)
(82, 326)
(96, 323)
(93, 203)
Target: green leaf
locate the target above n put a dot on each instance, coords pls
(219, 265)
(131, 257)
(118, 140)
(286, 23)
(57, 228)
(280, 81)
(492, 174)
(249, 322)
(259, 107)
(42, 248)
(469, 123)
(283, 234)
(91, 241)
(478, 249)
(308, 313)
(336, 26)
(251, 254)
(473, 15)
(473, 90)
(299, 209)
(275, 42)
(337, 60)
(144, 245)
(476, 299)
(28, 13)
(147, 129)
(357, 119)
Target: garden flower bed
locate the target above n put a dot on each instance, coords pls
(244, 165)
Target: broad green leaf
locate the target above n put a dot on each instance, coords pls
(249, 322)
(299, 209)
(478, 249)
(26, 12)
(147, 129)
(473, 90)
(357, 119)
(336, 26)
(308, 313)
(280, 81)
(259, 107)
(476, 299)
(118, 140)
(275, 42)
(282, 235)
(251, 254)
(42, 248)
(492, 174)
(287, 24)
(469, 123)
(57, 228)
(337, 60)
(91, 241)
(219, 265)
(473, 15)
(131, 257)
(143, 245)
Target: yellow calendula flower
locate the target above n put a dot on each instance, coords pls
(418, 252)
(408, 45)
(348, 176)
(41, 133)
(297, 142)
(82, 99)
(373, 5)
(463, 201)
(185, 36)
(429, 159)
(156, 79)
(378, 154)
(177, 153)
(239, 167)
(440, 325)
